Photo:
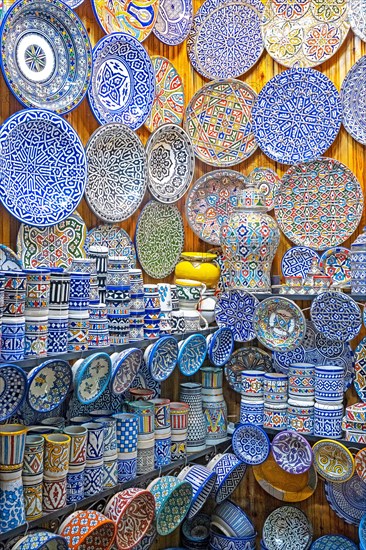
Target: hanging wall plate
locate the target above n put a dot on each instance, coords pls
(128, 16)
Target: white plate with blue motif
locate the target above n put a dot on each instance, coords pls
(49, 385)
(334, 542)
(220, 346)
(161, 357)
(91, 377)
(296, 261)
(174, 21)
(235, 309)
(13, 387)
(348, 499)
(125, 367)
(336, 315)
(287, 527)
(123, 81)
(251, 444)
(192, 353)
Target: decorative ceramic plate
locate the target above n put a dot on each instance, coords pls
(225, 39)
(170, 163)
(357, 17)
(117, 172)
(192, 353)
(174, 21)
(159, 239)
(282, 485)
(74, 3)
(246, 359)
(220, 346)
(144, 379)
(115, 238)
(13, 387)
(287, 527)
(235, 309)
(219, 121)
(297, 261)
(292, 452)
(251, 444)
(333, 461)
(279, 324)
(128, 16)
(336, 262)
(305, 33)
(336, 315)
(168, 105)
(297, 116)
(334, 542)
(92, 377)
(353, 99)
(49, 385)
(360, 370)
(124, 369)
(347, 499)
(46, 55)
(360, 464)
(123, 81)
(210, 202)
(163, 358)
(42, 168)
(9, 261)
(319, 204)
(266, 180)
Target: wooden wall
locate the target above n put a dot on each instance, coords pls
(255, 501)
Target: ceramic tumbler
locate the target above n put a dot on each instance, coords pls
(110, 472)
(252, 383)
(33, 493)
(191, 393)
(56, 456)
(329, 383)
(162, 453)
(328, 420)
(127, 429)
(178, 416)
(140, 394)
(12, 446)
(93, 478)
(251, 411)
(127, 466)
(75, 487)
(110, 435)
(33, 455)
(162, 413)
(77, 455)
(275, 387)
(300, 416)
(179, 444)
(275, 416)
(145, 455)
(165, 296)
(59, 291)
(12, 338)
(145, 412)
(301, 381)
(94, 442)
(54, 494)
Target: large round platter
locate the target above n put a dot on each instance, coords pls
(360, 370)
(13, 387)
(55, 246)
(279, 324)
(162, 358)
(46, 55)
(174, 21)
(266, 180)
(328, 191)
(225, 39)
(123, 81)
(49, 385)
(192, 353)
(357, 17)
(354, 100)
(42, 167)
(159, 239)
(292, 452)
(336, 263)
(304, 33)
(287, 527)
(297, 116)
(124, 369)
(170, 163)
(347, 499)
(218, 120)
(117, 174)
(333, 461)
(128, 16)
(235, 309)
(9, 261)
(115, 238)
(251, 444)
(334, 542)
(250, 358)
(336, 315)
(296, 261)
(168, 104)
(210, 202)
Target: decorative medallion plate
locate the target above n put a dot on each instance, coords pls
(292, 452)
(9, 261)
(297, 261)
(246, 359)
(55, 246)
(287, 527)
(219, 121)
(13, 387)
(279, 324)
(336, 315)
(170, 163)
(360, 370)
(297, 116)
(266, 180)
(174, 21)
(128, 16)
(225, 39)
(354, 100)
(319, 204)
(251, 444)
(123, 82)
(163, 358)
(235, 309)
(42, 167)
(333, 461)
(210, 202)
(336, 262)
(46, 55)
(334, 542)
(357, 17)
(115, 238)
(117, 172)
(192, 353)
(168, 104)
(49, 385)
(305, 32)
(159, 239)
(347, 499)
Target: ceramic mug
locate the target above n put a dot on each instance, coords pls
(165, 296)
(193, 319)
(189, 292)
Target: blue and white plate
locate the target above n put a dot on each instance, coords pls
(174, 21)
(46, 55)
(297, 261)
(334, 542)
(123, 81)
(235, 309)
(297, 116)
(287, 527)
(13, 387)
(192, 353)
(91, 377)
(220, 346)
(353, 99)
(230, 471)
(9, 261)
(162, 357)
(42, 168)
(348, 499)
(336, 315)
(49, 385)
(124, 369)
(251, 444)
(144, 379)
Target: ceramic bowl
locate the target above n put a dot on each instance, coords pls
(192, 353)
(218, 541)
(41, 540)
(91, 377)
(287, 527)
(229, 470)
(356, 412)
(49, 385)
(203, 482)
(333, 461)
(334, 542)
(292, 452)
(13, 384)
(232, 520)
(124, 369)
(86, 529)
(195, 532)
(161, 357)
(251, 444)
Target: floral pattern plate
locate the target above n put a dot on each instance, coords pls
(250, 358)
(353, 99)
(13, 387)
(91, 377)
(292, 452)
(347, 499)
(192, 353)
(360, 370)
(9, 261)
(336, 263)
(170, 163)
(266, 180)
(333, 461)
(287, 527)
(235, 309)
(174, 21)
(336, 315)
(357, 17)
(218, 120)
(251, 444)
(168, 104)
(127, 16)
(296, 261)
(49, 385)
(159, 239)
(328, 190)
(115, 238)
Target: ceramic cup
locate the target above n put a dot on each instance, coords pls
(252, 383)
(56, 455)
(189, 292)
(275, 387)
(301, 381)
(300, 416)
(177, 322)
(94, 442)
(78, 436)
(328, 420)
(165, 296)
(329, 383)
(252, 411)
(179, 416)
(127, 429)
(33, 455)
(162, 413)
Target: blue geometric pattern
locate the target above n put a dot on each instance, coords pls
(221, 346)
(235, 309)
(174, 21)
(13, 384)
(230, 471)
(297, 260)
(334, 542)
(336, 316)
(251, 444)
(347, 499)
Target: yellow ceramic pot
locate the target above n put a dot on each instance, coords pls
(199, 266)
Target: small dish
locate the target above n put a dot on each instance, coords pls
(192, 353)
(161, 357)
(220, 346)
(251, 444)
(292, 452)
(49, 385)
(91, 377)
(333, 461)
(13, 384)
(287, 527)
(124, 369)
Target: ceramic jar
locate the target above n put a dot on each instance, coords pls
(300, 416)
(328, 420)
(229, 470)
(301, 381)
(249, 239)
(275, 387)
(198, 266)
(252, 383)
(214, 405)
(275, 416)
(191, 393)
(329, 383)
(251, 411)
(358, 264)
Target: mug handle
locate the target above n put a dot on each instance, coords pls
(204, 288)
(204, 321)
